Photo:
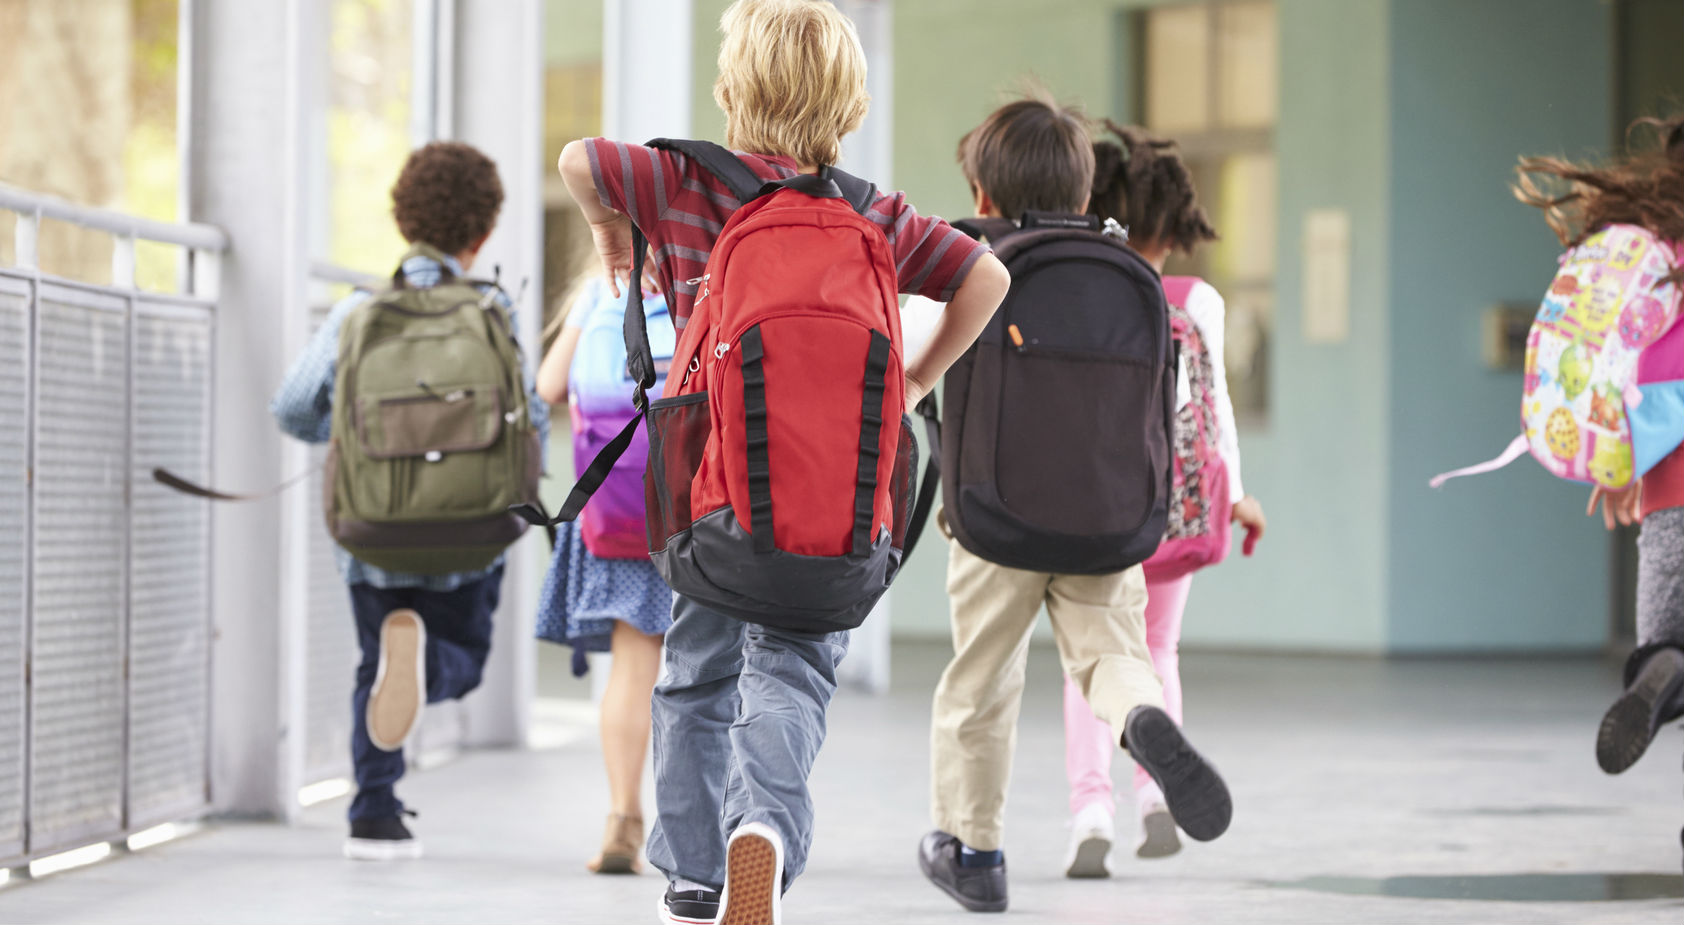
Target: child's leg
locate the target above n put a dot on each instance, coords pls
(692, 712)
(625, 715)
(973, 731)
(1166, 601)
(1654, 674)
(458, 634)
(376, 770)
(1088, 747)
(1099, 622)
(787, 681)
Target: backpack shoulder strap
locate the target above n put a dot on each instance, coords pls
(860, 194)
(743, 183)
(992, 229)
(1178, 288)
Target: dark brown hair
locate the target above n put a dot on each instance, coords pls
(1644, 188)
(1030, 154)
(447, 195)
(1141, 182)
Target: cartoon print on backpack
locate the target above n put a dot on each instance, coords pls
(1610, 464)
(1606, 409)
(1561, 432)
(1574, 370)
(1642, 322)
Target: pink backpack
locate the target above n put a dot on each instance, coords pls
(1199, 504)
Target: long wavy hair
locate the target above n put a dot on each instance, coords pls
(1141, 181)
(1644, 188)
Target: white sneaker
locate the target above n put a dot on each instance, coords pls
(1158, 836)
(754, 877)
(1091, 834)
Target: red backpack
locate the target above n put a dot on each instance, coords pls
(780, 482)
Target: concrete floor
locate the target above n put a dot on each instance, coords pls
(1366, 791)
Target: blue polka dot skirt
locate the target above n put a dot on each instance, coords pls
(583, 595)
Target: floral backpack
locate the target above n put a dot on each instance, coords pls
(1604, 390)
(1199, 503)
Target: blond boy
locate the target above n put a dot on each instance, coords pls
(740, 716)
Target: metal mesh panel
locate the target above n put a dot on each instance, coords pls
(169, 606)
(76, 731)
(330, 640)
(14, 348)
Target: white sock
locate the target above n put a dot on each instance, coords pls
(685, 886)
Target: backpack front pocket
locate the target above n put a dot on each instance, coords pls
(429, 452)
(679, 428)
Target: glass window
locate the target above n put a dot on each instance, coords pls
(1209, 80)
(88, 102)
(368, 128)
(1178, 68)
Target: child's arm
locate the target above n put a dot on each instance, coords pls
(303, 405)
(960, 324)
(558, 362)
(611, 231)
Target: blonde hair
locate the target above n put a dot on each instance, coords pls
(791, 79)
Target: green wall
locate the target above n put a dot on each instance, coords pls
(1506, 561)
(1407, 115)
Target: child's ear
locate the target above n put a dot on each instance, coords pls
(984, 206)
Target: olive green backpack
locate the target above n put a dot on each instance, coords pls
(433, 440)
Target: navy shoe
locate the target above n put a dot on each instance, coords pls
(689, 907)
(383, 839)
(1197, 796)
(979, 889)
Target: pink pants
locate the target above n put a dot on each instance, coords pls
(1089, 743)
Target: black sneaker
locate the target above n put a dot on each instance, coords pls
(384, 839)
(1631, 723)
(979, 889)
(689, 907)
(1197, 797)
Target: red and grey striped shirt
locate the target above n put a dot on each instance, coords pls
(682, 208)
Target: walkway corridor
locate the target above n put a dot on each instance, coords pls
(1460, 788)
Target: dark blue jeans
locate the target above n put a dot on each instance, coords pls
(458, 640)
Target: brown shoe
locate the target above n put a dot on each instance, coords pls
(621, 841)
(400, 687)
(754, 876)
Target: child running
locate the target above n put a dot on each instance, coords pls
(740, 715)
(601, 592)
(1032, 161)
(424, 637)
(1645, 189)
(1142, 185)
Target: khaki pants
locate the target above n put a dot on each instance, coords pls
(1099, 622)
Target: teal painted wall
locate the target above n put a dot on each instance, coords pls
(1408, 115)
(1320, 463)
(1507, 561)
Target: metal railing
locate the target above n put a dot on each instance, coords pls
(105, 622)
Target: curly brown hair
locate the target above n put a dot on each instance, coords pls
(1645, 188)
(447, 195)
(1141, 181)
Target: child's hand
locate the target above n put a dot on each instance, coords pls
(1248, 513)
(1622, 506)
(613, 239)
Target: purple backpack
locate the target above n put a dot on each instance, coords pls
(599, 391)
(1199, 503)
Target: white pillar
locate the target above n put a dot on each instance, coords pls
(497, 105)
(243, 142)
(642, 97)
(869, 153)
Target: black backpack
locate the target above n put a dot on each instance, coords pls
(1055, 446)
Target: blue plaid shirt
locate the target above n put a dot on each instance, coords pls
(303, 406)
